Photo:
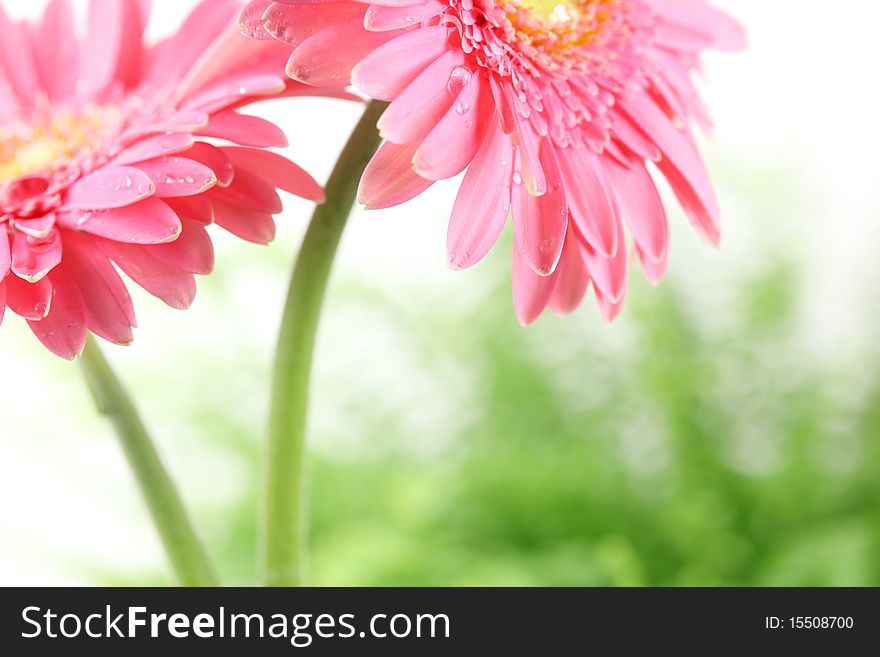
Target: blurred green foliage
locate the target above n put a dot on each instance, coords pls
(659, 452)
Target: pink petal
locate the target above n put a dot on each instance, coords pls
(390, 68)
(250, 20)
(417, 109)
(724, 32)
(112, 187)
(183, 120)
(381, 18)
(192, 252)
(33, 258)
(276, 170)
(293, 25)
(5, 255)
(320, 61)
(379, 3)
(231, 93)
(572, 279)
(175, 287)
(249, 224)
(609, 275)
(16, 57)
(251, 191)
(483, 202)
(528, 147)
(389, 179)
(178, 55)
(654, 269)
(100, 51)
(149, 222)
(148, 149)
(641, 207)
(230, 57)
(215, 159)
(39, 227)
(109, 311)
(704, 218)
(589, 198)
(531, 293)
(56, 50)
(131, 62)
(63, 331)
(244, 130)
(681, 164)
(454, 141)
(540, 222)
(609, 309)
(197, 208)
(28, 300)
(178, 176)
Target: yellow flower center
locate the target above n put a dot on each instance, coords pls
(52, 141)
(553, 11)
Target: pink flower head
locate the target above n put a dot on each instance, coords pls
(554, 107)
(115, 152)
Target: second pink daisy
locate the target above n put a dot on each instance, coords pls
(118, 154)
(557, 109)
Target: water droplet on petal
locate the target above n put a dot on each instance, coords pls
(459, 77)
(517, 178)
(302, 72)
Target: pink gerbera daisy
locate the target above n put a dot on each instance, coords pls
(556, 108)
(116, 152)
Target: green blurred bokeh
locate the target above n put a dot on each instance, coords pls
(665, 450)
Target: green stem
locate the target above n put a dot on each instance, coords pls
(182, 546)
(284, 527)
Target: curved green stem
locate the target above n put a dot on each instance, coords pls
(284, 523)
(182, 546)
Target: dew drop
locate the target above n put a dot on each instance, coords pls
(517, 178)
(145, 187)
(462, 107)
(302, 72)
(459, 77)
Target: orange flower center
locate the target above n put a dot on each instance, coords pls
(53, 140)
(556, 25)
